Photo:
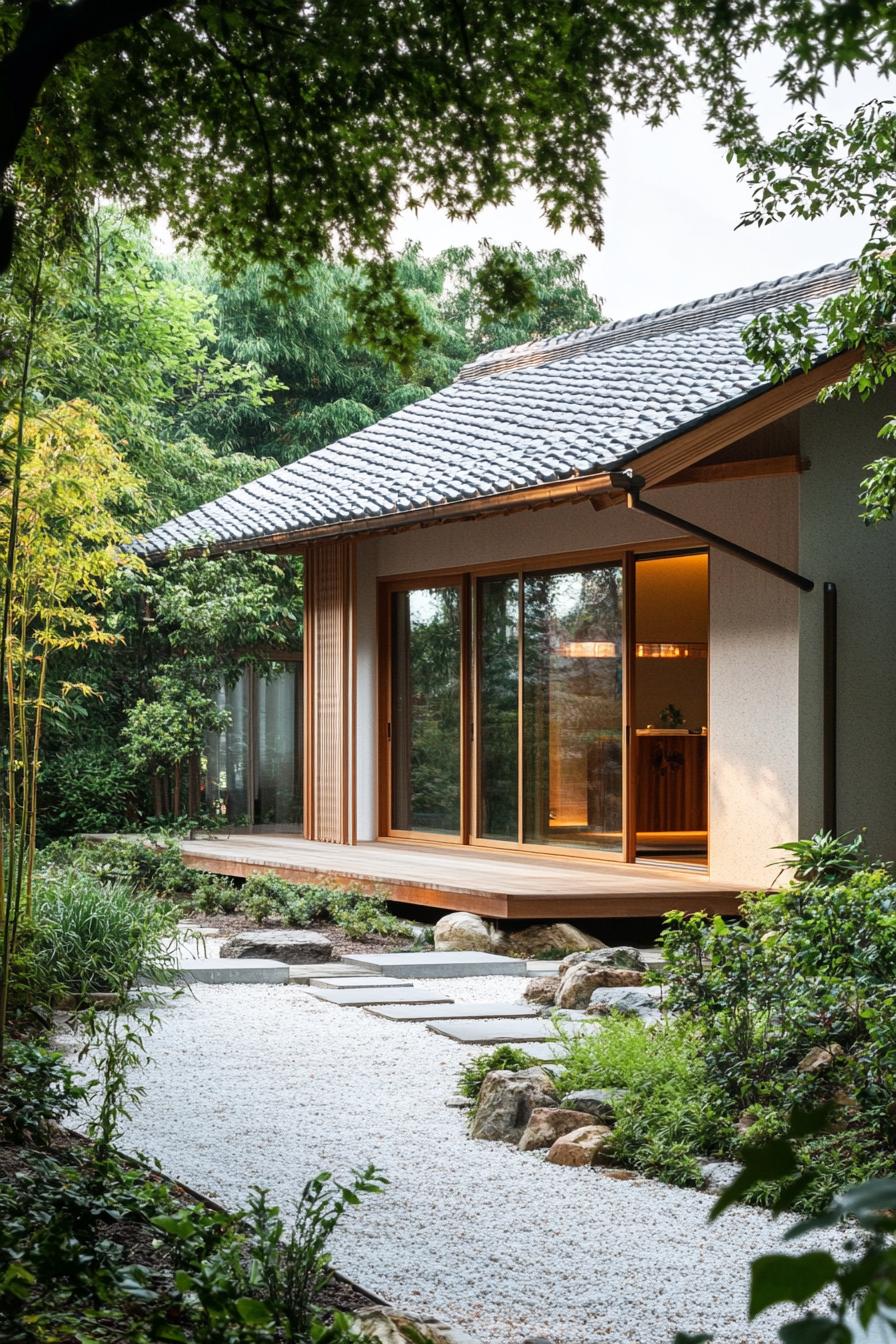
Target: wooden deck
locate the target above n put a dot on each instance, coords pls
(499, 885)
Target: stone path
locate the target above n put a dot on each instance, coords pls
(246, 971)
(256, 1085)
(409, 1013)
(439, 965)
(356, 981)
(497, 1033)
(360, 998)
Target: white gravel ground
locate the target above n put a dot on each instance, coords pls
(266, 1085)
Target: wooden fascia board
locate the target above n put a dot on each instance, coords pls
(750, 416)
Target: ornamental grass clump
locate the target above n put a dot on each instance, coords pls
(90, 936)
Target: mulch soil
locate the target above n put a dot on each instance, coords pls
(342, 943)
(141, 1242)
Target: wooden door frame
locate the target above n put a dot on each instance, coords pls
(385, 589)
(632, 774)
(466, 578)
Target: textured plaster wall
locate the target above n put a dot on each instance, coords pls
(839, 439)
(754, 644)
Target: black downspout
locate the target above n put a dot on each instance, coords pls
(829, 711)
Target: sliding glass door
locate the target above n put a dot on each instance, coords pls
(550, 708)
(423, 729)
(572, 708)
(544, 659)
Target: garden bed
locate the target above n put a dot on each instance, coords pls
(343, 943)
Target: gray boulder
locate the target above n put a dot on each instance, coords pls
(599, 1102)
(507, 1100)
(632, 1002)
(626, 958)
(293, 945)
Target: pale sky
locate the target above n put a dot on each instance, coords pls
(671, 208)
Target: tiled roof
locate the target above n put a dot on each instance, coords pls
(532, 415)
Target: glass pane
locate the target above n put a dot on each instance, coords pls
(572, 707)
(227, 757)
(278, 757)
(498, 706)
(426, 649)
(670, 706)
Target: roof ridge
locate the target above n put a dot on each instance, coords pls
(747, 299)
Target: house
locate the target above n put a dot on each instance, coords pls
(590, 631)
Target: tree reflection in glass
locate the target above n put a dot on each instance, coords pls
(572, 707)
(498, 601)
(426, 708)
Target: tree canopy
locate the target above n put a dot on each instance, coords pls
(275, 131)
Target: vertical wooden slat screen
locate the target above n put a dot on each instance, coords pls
(329, 599)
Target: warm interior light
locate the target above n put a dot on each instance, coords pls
(587, 648)
(651, 650)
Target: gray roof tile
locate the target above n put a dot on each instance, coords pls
(531, 415)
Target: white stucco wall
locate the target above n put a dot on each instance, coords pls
(840, 438)
(754, 644)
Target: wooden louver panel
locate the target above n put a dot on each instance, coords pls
(328, 634)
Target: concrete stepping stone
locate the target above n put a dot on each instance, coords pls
(244, 971)
(545, 1052)
(420, 1013)
(438, 965)
(542, 967)
(360, 998)
(335, 970)
(358, 982)
(497, 1033)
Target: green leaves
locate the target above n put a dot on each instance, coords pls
(789, 1278)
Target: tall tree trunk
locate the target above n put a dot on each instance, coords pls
(194, 798)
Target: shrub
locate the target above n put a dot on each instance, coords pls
(265, 894)
(669, 1111)
(472, 1075)
(85, 788)
(91, 935)
(37, 1088)
(811, 965)
(214, 894)
(358, 913)
(156, 868)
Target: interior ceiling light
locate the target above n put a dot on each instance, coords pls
(588, 648)
(670, 650)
